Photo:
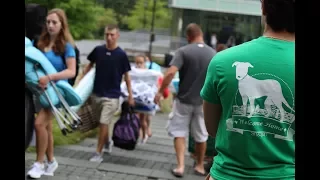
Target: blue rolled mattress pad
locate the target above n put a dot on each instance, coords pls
(34, 56)
(85, 87)
(174, 86)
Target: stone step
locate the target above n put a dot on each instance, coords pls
(162, 136)
(119, 155)
(161, 123)
(84, 168)
(90, 142)
(161, 132)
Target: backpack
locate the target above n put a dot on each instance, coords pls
(72, 80)
(126, 129)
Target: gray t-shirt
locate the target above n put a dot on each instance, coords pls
(192, 61)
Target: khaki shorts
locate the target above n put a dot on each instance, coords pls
(105, 108)
(185, 117)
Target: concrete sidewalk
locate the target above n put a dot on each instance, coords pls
(153, 160)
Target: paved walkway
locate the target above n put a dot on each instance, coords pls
(152, 161)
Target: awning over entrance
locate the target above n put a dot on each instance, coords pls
(244, 7)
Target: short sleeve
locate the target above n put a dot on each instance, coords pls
(69, 51)
(126, 64)
(92, 57)
(177, 59)
(209, 90)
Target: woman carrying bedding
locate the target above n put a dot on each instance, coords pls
(140, 61)
(55, 41)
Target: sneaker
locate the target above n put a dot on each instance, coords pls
(108, 146)
(145, 139)
(51, 167)
(97, 157)
(36, 171)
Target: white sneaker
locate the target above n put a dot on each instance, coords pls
(36, 171)
(145, 139)
(97, 157)
(109, 146)
(51, 168)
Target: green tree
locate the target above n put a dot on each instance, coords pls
(121, 9)
(107, 17)
(143, 11)
(84, 16)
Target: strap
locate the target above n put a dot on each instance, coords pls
(63, 59)
(150, 67)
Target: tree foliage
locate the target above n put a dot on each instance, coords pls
(85, 17)
(142, 11)
(121, 9)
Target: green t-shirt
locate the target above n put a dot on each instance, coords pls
(254, 83)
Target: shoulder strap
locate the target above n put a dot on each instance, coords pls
(150, 66)
(63, 59)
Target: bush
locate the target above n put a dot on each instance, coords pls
(72, 138)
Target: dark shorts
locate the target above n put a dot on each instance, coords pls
(37, 105)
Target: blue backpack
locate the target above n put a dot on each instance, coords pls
(126, 129)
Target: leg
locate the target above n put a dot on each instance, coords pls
(200, 135)
(142, 120)
(267, 106)
(178, 128)
(41, 123)
(108, 108)
(144, 126)
(140, 130)
(251, 100)
(103, 137)
(49, 152)
(149, 128)
(245, 104)
(180, 148)
(52, 164)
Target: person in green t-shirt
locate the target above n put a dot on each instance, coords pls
(249, 104)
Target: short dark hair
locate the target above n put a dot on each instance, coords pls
(193, 30)
(280, 14)
(112, 27)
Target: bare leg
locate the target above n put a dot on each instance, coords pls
(103, 137)
(50, 141)
(140, 130)
(148, 123)
(144, 125)
(41, 124)
(200, 154)
(179, 145)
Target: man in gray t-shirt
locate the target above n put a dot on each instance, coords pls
(192, 62)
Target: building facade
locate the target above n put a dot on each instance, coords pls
(238, 18)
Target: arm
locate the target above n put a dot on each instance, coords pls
(70, 71)
(127, 79)
(168, 78)
(212, 114)
(212, 108)
(92, 58)
(126, 68)
(88, 68)
(175, 65)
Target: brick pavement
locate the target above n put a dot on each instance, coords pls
(152, 161)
